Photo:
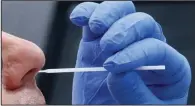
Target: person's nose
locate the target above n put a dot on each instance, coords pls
(22, 59)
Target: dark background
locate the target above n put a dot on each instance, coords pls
(47, 24)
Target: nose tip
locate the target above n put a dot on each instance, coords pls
(33, 56)
(22, 59)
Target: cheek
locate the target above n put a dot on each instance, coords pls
(8, 97)
(23, 95)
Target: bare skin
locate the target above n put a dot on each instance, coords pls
(22, 60)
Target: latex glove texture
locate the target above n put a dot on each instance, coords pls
(120, 39)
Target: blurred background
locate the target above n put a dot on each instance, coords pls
(47, 24)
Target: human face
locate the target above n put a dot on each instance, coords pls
(21, 59)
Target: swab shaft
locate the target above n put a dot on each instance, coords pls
(95, 69)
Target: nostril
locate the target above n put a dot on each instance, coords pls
(13, 81)
(28, 78)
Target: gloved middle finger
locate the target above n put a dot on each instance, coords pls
(108, 12)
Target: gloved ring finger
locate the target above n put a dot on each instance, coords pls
(129, 29)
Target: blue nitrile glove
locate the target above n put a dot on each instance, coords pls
(120, 39)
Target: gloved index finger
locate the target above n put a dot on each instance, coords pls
(82, 12)
(107, 13)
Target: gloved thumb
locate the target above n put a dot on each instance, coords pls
(128, 88)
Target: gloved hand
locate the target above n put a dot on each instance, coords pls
(120, 39)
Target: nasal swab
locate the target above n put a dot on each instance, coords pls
(96, 69)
